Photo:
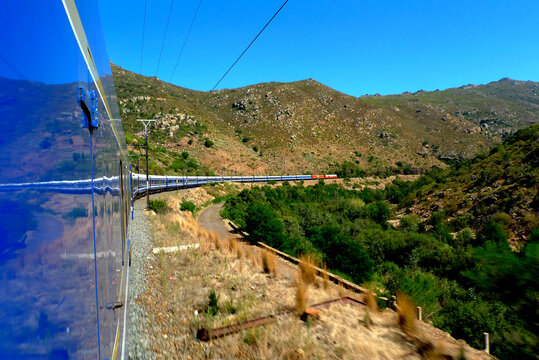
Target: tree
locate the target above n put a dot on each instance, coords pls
(262, 225)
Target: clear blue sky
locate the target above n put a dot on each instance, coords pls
(357, 47)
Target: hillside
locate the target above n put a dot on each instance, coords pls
(468, 281)
(175, 301)
(501, 185)
(305, 126)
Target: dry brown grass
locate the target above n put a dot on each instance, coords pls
(341, 290)
(233, 245)
(406, 314)
(368, 298)
(254, 294)
(255, 256)
(325, 276)
(216, 239)
(240, 251)
(269, 262)
(248, 252)
(306, 266)
(301, 295)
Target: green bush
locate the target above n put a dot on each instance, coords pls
(158, 206)
(187, 206)
(463, 288)
(213, 303)
(208, 143)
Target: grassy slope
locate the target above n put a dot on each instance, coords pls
(306, 126)
(504, 180)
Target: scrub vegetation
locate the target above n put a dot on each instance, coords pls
(458, 266)
(214, 280)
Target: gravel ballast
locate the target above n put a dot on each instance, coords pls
(141, 257)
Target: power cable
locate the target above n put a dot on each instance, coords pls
(185, 41)
(143, 29)
(164, 37)
(247, 48)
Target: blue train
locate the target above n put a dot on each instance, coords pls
(160, 183)
(65, 197)
(66, 188)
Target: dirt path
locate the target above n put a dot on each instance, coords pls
(211, 220)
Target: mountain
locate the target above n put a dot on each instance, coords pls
(500, 185)
(305, 126)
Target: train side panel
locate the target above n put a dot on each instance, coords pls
(59, 294)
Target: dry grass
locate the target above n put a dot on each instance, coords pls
(232, 244)
(269, 262)
(240, 252)
(406, 314)
(325, 276)
(216, 240)
(250, 294)
(301, 295)
(306, 266)
(341, 290)
(255, 256)
(368, 298)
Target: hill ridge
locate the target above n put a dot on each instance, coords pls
(306, 126)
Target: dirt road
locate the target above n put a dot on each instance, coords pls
(211, 220)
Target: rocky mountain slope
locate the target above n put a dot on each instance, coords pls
(305, 126)
(501, 185)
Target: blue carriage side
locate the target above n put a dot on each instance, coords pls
(64, 186)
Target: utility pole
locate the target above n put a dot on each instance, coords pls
(147, 122)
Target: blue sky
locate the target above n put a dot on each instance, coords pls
(357, 47)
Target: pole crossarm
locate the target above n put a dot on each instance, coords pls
(147, 122)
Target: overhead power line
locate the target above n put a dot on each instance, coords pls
(164, 37)
(185, 41)
(247, 48)
(143, 29)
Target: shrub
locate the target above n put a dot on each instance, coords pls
(187, 206)
(492, 232)
(208, 143)
(408, 223)
(158, 206)
(213, 303)
(185, 154)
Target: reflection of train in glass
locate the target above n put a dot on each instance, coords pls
(65, 197)
(67, 187)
